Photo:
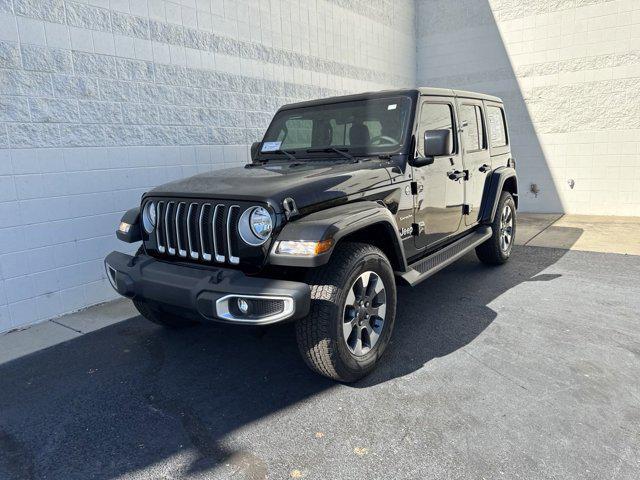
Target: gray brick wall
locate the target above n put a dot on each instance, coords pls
(569, 72)
(100, 101)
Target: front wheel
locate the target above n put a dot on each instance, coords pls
(497, 249)
(352, 313)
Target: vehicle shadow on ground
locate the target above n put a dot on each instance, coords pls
(133, 395)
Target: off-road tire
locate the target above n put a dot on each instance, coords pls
(155, 315)
(490, 252)
(319, 335)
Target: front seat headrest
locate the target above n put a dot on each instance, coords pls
(359, 135)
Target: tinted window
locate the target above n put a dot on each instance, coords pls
(434, 116)
(297, 132)
(361, 127)
(497, 126)
(473, 133)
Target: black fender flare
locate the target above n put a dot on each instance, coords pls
(492, 190)
(335, 223)
(132, 217)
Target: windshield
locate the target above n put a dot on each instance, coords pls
(362, 127)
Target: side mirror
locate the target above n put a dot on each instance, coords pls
(437, 143)
(421, 161)
(254, 150)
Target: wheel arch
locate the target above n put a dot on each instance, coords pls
(366, 222)
(380, 235)
(501, 179)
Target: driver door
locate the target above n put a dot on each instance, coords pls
(438, 200)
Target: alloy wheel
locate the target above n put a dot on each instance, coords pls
(506, 228)
(364, 313)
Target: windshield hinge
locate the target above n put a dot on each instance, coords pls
(414, 188)
(290, 208)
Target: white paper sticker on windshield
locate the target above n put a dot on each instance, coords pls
(271, 146)
(392, 106)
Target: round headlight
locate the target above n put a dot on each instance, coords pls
(149, 217)
(255, 226)
(261, 223)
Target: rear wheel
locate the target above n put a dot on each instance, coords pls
(155, 315)
(497, 249)
(352, 313)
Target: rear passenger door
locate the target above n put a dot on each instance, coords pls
(476, 159)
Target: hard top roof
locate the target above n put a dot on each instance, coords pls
(393, 93)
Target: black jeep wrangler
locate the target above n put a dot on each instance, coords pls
(344, 197)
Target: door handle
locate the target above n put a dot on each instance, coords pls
(456, 175)
(485, 168)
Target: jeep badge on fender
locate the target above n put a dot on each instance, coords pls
(344, 198)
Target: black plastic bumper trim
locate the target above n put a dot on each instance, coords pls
(197, 289)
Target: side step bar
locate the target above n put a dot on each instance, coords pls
(425, 267)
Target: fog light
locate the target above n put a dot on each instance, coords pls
(243, 306)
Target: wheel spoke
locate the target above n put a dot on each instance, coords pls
(374, 328)
(366, 339)
(379, 287)
(347, 330)
(379, 299)
(358, 288)
(357, 348)
(351, 297)
(374, 281)
(364, 279)
(373, 336)
(352, 339)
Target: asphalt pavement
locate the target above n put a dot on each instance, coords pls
(525, 371)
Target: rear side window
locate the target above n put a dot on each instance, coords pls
(435, 116)
(474, 130)
(497, 126)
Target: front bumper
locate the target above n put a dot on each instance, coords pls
(205, 292)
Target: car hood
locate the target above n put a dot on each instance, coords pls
(307, 182)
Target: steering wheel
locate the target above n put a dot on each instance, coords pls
(377, 141)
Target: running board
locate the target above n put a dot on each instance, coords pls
(425, 267)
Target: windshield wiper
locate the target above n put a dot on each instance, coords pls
(344, 152)
(288, 153)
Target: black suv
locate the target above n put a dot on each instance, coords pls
(344, 197)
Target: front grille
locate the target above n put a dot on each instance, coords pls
(197, 230)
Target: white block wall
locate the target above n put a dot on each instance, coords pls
(569, 73)
(101, 100)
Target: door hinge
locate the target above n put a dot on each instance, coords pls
(414, 188)
(466, 209)
(415, 229)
